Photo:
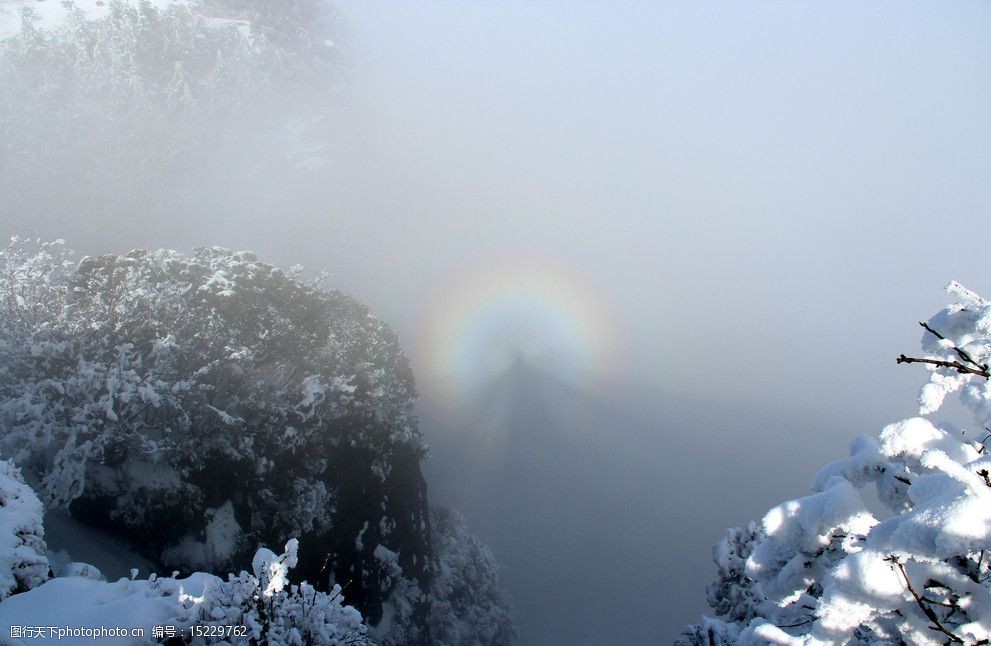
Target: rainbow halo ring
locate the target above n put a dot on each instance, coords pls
(540, 310)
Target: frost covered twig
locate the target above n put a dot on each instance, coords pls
(956, 365)
(341, 591)
(963, 354)
(980, 369)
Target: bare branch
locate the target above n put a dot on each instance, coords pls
(956, 365)
(800, 623)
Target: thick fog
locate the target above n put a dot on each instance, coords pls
(651, 263)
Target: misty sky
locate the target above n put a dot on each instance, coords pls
(747, 205)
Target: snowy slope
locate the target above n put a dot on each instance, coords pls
(80, 602)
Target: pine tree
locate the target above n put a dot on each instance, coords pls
(824, 570)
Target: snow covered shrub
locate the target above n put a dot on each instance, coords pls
(200, 405)
(23, 564)
(272, 610)
(824, 570)
(467, 603)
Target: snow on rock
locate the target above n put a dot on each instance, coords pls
(84, 570)
(822, 570)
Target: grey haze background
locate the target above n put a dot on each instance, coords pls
(772, 192)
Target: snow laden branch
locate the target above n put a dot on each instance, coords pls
(829, 569)
(925, 603)
(974, 368)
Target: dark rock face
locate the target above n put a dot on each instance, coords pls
(214, 404)
(392, 513)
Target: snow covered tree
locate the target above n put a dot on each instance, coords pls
(824, 570)
(140, 106)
